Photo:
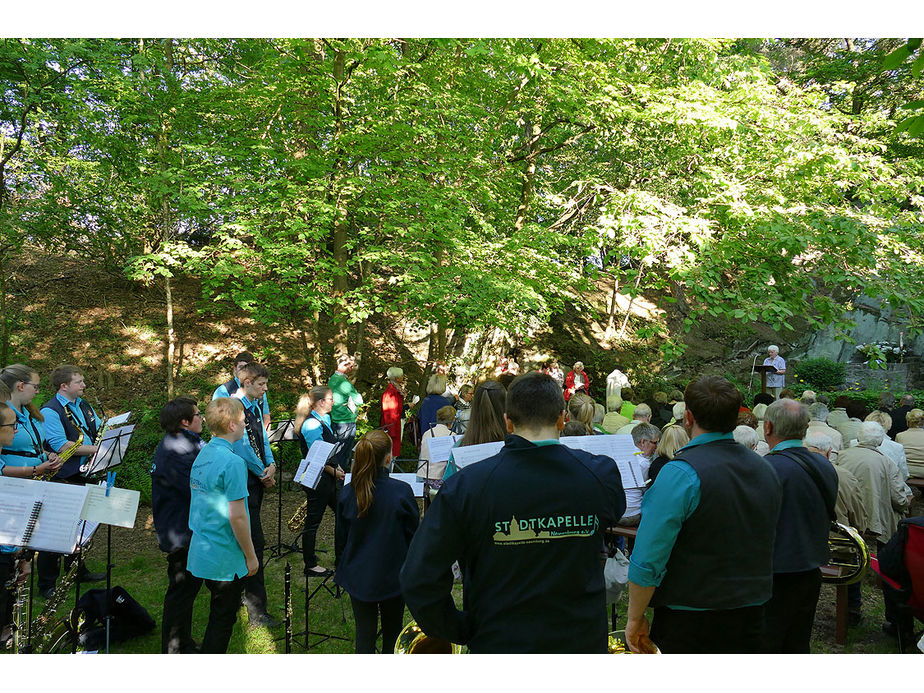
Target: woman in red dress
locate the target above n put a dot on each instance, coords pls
(393, 408)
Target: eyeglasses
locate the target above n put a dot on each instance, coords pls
(198, 413)
(14, 425)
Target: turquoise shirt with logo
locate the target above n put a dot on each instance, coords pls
(217, 477)
(28, 438)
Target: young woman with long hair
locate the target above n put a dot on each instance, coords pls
(486, 424)
(376, 520)
(312, 421)
(24, 456)
(581, 409)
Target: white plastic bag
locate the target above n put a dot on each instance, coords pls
(615, 576)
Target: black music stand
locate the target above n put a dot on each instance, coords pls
(283, 433)
(112, 457)
(307, 633)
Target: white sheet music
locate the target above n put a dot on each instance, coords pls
(118, 420)
(410, 479)
(17, 498)
(118, 508)
(441, 446)
(309, 471)
(475, 453)
(56, 529)
(85, 532)
(618, 448)
(112, 449)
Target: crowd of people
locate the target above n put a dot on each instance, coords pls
(732, 511)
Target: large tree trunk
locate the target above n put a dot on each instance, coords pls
(340, 213)
(171, 338)
(5, 328)
(529, 176)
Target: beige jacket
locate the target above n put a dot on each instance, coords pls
(849, 509)
(913, 442)
(837, 440)
(881, 488)
(613, 421)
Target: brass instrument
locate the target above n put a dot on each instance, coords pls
(412, 640)
(297, 521)
(51, 636)
(849, 556)
(21, 601)
(62, 458)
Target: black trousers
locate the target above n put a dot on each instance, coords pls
(366, 617)
(182, 589)
(325, 496)
(226, 600)
(791, 611)
(7, 570)
(726, 631)
(253, 586)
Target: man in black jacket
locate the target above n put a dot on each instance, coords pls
(801, 546)
(170, 496)
(526, 526)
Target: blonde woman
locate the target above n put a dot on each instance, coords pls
(673, 438)
(913, 442)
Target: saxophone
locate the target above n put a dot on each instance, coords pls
(62, 458)
(297, 521)
(21, 600)
(48, 635)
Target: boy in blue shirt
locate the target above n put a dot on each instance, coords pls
(229, 388)
(221, 551)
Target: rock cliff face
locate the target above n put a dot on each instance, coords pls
(875, 323)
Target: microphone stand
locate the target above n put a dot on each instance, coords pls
(751, 379)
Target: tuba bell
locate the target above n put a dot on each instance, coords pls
(849, 556)
(412, 640)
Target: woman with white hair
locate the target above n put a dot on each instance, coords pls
(777, 379)
(393, 408)
(888, 447)
(576, 381)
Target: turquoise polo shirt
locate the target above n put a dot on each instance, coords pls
(222, 391)
(54, 429)
(312, 427)
(672, 499)
(29, 438)
(243, 448)
(786, 444)
(217, 477)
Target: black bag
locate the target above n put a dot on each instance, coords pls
(128, 619)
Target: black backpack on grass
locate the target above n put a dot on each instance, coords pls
(128, 619)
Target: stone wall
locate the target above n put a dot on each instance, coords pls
(895, 377)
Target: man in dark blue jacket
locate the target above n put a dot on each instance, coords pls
(526, 526)
(170, 497)
(801, 548)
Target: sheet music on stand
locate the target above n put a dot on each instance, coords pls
(619, 448)
(410, 479)
(285, 430)
(111, 452)
(309, 471)
(441, 447)
(118, 419)
(40, 515)
(475, 453)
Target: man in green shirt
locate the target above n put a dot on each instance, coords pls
(346, 405)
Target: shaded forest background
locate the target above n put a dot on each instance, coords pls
(656, 205)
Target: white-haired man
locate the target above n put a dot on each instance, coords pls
(818, 416)
(880, 482)
(849, 509)
(777, 379)
(642, 414)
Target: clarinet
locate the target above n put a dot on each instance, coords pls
(251, 436)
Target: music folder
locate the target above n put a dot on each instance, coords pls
(111, 452)
(310, 469)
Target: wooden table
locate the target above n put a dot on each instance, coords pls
(627, 532)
